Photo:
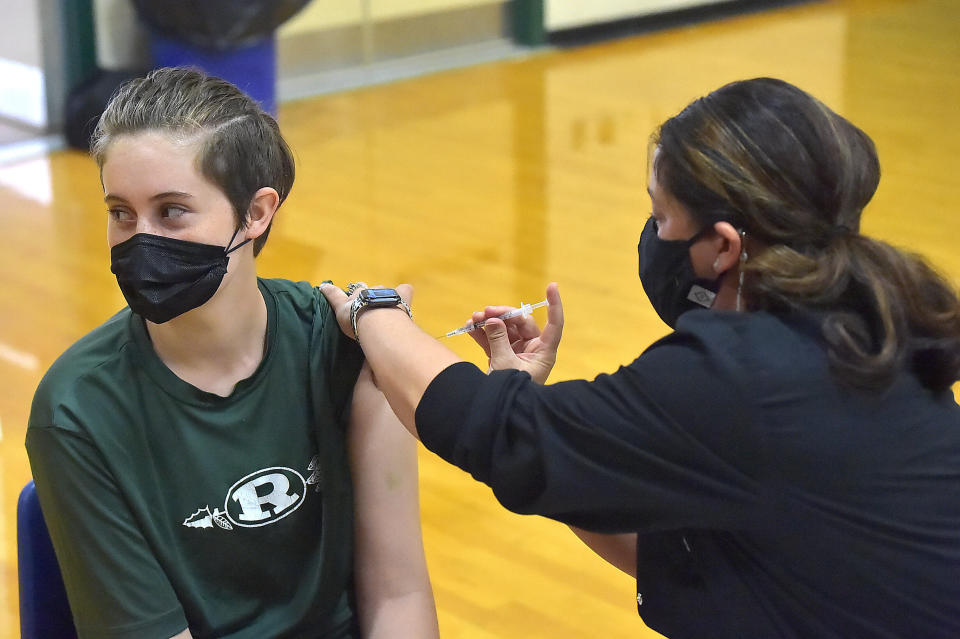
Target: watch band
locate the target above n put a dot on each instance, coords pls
(364, 301)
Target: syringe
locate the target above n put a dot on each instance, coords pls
(524, 310)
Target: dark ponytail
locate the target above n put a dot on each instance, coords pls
(774, 161)
(883, 309)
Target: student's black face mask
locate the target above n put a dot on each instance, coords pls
(667, 275)
(161, 277)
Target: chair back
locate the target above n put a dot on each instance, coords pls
(44, 611)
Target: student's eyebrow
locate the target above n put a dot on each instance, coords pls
(166, 194)
(158, 196)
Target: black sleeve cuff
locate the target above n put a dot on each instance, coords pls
(445, 407)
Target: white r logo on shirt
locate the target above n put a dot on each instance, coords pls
(265, 497)
(261, 498)
(277, 500)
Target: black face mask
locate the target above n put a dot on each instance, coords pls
(667, 275)
(161, 277)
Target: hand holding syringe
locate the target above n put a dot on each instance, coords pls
(524, 310)
(517, 343)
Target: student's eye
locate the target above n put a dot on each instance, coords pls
(119, 215)
(173, 212)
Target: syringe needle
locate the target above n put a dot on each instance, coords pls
(464, 329)
(524, 310)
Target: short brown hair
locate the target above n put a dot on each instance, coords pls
(241, 148)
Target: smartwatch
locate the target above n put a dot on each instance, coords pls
(376, 298)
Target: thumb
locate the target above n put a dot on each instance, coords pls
(500, 350)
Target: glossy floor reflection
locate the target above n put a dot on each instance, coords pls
(480, 186)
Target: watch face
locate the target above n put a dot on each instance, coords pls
(381, 295)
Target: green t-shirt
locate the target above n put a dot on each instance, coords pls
(171, 507)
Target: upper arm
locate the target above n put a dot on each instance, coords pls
(390, 562)
(383, 458)
(112, 578)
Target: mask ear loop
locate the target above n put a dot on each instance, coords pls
(227, 250)
(743, 260)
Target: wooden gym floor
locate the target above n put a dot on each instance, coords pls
(480, 186)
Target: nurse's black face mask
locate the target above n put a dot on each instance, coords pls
(162, 278)
(667, 275)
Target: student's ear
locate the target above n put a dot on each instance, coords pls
(730, 247)
(263, 206)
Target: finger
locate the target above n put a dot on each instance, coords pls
(477, 318)
(340, 304)
(553, 330)
(501, 352)
(497, 311)
(479, 336)
(527, 327)
(522, 328)
(355, 286)
(406, 292)
(334, 294)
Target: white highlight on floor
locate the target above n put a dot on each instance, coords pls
(27, 361)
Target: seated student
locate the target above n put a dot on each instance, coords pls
(214, 460)
(787, 462)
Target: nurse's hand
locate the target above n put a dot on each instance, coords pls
(519, 343)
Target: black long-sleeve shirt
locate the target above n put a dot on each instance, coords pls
(770, 500)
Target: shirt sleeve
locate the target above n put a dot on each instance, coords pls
(115, 586)
(667, 442)
(338, 356)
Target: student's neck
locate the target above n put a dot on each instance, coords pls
(219, 344)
